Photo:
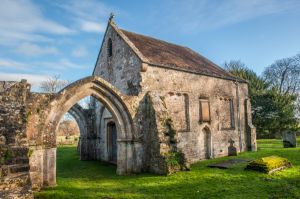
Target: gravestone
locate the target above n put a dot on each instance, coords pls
(231, 149)
(289, 139)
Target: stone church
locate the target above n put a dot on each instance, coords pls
(155, 107)
(207, 107)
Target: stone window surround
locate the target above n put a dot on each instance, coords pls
(201, 120)
(232, 119)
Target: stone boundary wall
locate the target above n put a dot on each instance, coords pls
(14, 150)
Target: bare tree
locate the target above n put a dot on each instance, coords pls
(53, 84)
(234, 65)
(68, 128)
(284, 75)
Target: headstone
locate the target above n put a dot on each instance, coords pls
(231, 149)
(289, 139)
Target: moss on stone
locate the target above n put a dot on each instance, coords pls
(175, 161)
(28, 114)
(269, 164)
(8, 155)
(29, 153)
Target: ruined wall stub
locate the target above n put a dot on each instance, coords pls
(14, 150)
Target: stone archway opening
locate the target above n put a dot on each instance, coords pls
(113, 101)
(68, 131)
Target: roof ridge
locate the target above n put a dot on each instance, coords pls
(155, 38)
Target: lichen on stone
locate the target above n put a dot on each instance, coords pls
(269, 164)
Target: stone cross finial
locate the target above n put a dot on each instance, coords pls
(112, 15)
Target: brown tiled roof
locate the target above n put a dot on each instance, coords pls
(161, 53)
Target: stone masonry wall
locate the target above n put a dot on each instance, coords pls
(14, 149)
(182, 92)
(122, 68)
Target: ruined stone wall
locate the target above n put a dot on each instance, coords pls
(14, 150)
(181, 93)
(42, 157)
(122, 68)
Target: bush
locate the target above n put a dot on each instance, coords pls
(269, 164)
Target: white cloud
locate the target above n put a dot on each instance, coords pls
(79, 52)
(41, 66)
(31, 49)
(62, 64)
(11, 64)
(33, 79)
(89, 15)
(89, 26)
(87, 10)
(198, 15)
(23, 20)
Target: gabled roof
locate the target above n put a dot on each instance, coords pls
(160, 53)
(164, 54)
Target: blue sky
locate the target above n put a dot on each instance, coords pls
(42, 38)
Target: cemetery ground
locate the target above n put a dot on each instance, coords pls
(94, 179)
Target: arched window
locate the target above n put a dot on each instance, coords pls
(109, 48)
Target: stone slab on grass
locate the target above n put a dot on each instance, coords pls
(269, 164)
(227, 163)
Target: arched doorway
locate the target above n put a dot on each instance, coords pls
(112, 99)
(112, 142)
(207, 143)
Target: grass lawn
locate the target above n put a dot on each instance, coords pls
(93, 179)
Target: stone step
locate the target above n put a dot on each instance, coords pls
(21, 160)
(20, 151)
(18, 175)
(16, 168)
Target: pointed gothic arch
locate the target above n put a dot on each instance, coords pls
(112, 99)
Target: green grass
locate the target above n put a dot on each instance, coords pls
(92, 179)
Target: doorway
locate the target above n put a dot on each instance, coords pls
(207, 143)
(112, 142)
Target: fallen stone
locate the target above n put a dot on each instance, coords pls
(227, 163)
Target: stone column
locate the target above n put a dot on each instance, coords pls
(122, 158)
(36, 168)
(138, 156)
(49, 167)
